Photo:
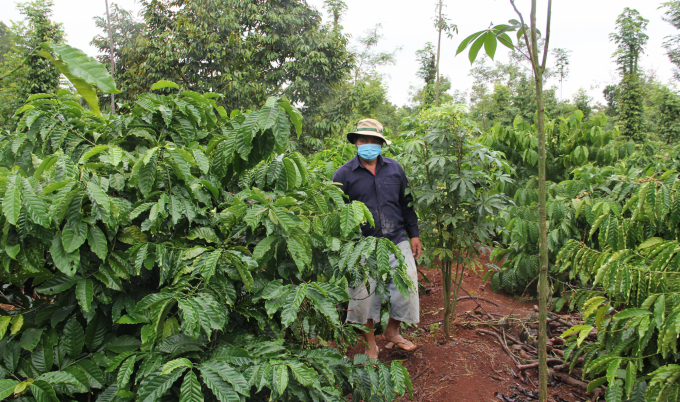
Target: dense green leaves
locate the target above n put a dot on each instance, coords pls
(157, 238)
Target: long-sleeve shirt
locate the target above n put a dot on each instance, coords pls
(383, 194)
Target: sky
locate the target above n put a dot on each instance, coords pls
(582, 26)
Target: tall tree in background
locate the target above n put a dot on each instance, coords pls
(125, 30)
(244, 50)
(630, 39)
(561, 64)
(335, 8)
(529, 34)
(426, 96)
(672, 43)
(111, 61)
(40, 75)
(442, 24)
(360, 94)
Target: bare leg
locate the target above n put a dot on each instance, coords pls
(372, 348)
(392, 335)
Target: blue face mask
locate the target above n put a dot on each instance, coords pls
(369, 151)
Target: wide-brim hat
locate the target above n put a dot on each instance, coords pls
(369, 127)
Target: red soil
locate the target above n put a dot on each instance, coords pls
(469, 366)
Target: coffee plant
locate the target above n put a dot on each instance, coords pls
(178, 252)
(630, 255)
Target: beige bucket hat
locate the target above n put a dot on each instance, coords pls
(370, 127)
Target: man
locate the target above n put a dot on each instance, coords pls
(380, 183)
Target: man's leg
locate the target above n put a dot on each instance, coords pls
(403, 309)
(364, 309)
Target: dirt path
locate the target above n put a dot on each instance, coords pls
(469, 366)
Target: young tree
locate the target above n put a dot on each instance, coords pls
(442, 24)
(561, 64)
(529, 34)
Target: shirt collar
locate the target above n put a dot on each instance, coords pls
(355, 162)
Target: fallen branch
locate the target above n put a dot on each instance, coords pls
(478, 298)
(567, 379)
(500, 340)
(535, 365)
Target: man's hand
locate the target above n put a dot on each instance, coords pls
(416, 247)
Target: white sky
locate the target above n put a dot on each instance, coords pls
(582, 26)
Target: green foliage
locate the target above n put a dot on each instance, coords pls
(630, 39)
(628, 252)
(242, 50)
(22, 71)
(179, 252)
(669, 115)
(40, 75)
(629, 107)
(672, 43)
(453, 181)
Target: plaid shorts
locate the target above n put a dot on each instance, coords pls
(364, 306)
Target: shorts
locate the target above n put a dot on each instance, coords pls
(364, 306)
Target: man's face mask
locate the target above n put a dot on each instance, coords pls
(369, 151)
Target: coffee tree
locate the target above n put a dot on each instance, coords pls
(178, 252)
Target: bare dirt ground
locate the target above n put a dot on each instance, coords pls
(469, 366)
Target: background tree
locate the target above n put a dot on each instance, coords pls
(583, 102)
(362, 93)
(442, 24)
(630, 39)
(672, 43)
(610, 93)
(40, 75)
(561, 56)
(245, 50)
(335, 8)
(23, 72)
(125, 29)
(426, 96)
(669, 119)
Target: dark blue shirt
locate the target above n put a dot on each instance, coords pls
(384, 196)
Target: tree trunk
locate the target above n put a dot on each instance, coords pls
(543, 235)
(446, 283)
(439, 46)
(113, 63)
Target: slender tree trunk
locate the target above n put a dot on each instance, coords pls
(439, 46)
(113, 63)
(542, 230)
(446, 279)
(459, 283)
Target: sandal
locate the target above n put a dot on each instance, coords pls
(402, 346)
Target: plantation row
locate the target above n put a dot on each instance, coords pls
(126, 236)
